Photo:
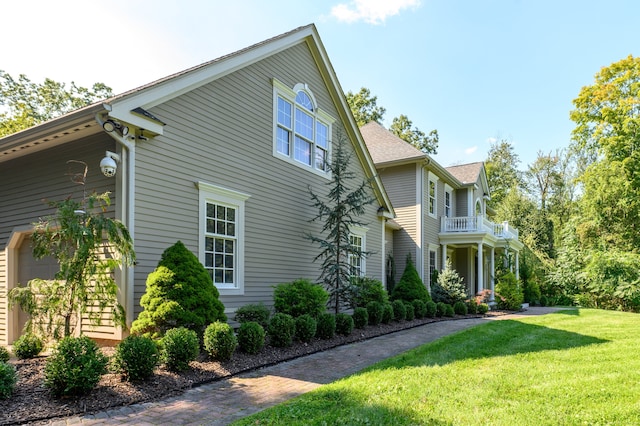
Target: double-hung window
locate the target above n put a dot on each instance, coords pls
(222, 236)
(432, 197)
(357, 251)
(302, 130)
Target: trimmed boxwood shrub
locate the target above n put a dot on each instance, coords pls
(460, 308)
(344, 324)
(360, 317)
(410, 287)
(180, 293)
(180, 346)
(432, 309)
(300, 297)
(375, 311)
(410, 313)
(220, 341)
(8, 379)
(251, 337)
(419, 308)
(281, 330)
(399, 310)
(306, 327)
(364, 290)
(448, 311)
(27, 346)
(4, 354)
(136, 357)
(387, 313)
(253, 312)
(75, 367)
(441, 308)
(326, 326)
(483, 308)
(472, 306)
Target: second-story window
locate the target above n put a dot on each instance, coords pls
(432, 197)
(447, 203)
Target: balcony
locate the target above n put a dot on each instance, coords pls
(478, 224)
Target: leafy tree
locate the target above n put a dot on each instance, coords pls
(180, 293)
(28, 103)
(339, 213)
(88, 246)
(365, 107)
(403, 128)
(502, 171)
(607, 133)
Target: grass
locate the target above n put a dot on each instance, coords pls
(575, 367)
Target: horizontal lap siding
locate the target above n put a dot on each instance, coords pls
(222, 134)
(3, 298)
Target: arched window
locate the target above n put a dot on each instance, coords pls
(478, 208)
(302, 130)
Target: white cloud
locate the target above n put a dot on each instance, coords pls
(492, 140)
(471, 150)
(371, 11)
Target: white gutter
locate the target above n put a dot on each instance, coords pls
(127, 210)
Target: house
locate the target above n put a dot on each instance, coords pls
(441, 213)
(236, 142)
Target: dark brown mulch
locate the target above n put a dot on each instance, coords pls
(31, 402)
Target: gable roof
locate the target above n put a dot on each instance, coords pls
(386, 148)
(126, 106)
(467, 173)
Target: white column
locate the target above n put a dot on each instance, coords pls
(444, 256)
(493, 274)
(517, 265)
(480, 268)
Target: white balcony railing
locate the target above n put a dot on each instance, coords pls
(478, 224)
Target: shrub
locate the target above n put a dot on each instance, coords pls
(449, 287)
(544, 300)
(4, 354)
(364, 290)
(448, 311)
(251, 337)
(281, 330)
(254, 312)
(8, 379)
(399, 310)
(387, 313)
(306, 327)
(441, 308)
(410, 313)
(460, 308)
(344, 324)
(508, 292)
(220, 341)
(360, 317)
(410, 286)
(483, 308)
(432, 309)
(136, 357)
(180, 293)
(472, 306)
(419, 308)
(326, 326)
(27, 346)
(180, 347)
(300, 297)
(375, 310)
(75, 367)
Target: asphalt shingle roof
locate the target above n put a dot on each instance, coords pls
(385, 147)
(466, 173)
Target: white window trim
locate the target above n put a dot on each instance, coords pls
(435, 249)
(432, 177)
(361, 231)
(449, 190)
(289, 94)
(217, 194)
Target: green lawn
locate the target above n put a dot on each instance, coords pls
(575, 367)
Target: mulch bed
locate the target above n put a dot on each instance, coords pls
(31, 402)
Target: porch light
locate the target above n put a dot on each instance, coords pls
(110, 126)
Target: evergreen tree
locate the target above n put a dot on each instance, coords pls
(339, 213)
(410, 287)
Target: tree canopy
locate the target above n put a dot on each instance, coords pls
(24, 104)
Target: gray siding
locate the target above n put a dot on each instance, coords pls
(222, 134)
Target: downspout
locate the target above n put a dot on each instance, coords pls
(127, 210)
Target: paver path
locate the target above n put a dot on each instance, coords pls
(222, 402)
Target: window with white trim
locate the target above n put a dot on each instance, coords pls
(222, 236)
(301, 129)
(447, 203)
(432, 197)
(357, 254)
(433, 258)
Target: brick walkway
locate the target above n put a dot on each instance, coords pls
(222, 402)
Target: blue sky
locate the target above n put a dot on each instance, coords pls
(475, 70)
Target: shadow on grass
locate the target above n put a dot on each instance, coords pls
(494, 339)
